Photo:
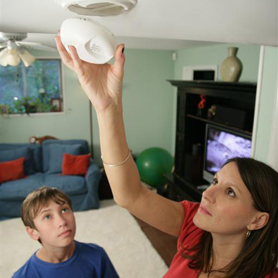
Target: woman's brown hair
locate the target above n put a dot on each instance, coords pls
(259, 255)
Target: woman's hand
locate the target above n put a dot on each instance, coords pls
(102, 83)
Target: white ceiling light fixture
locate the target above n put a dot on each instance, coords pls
(26, 57)
(13, 49)
(3, 57)
(98, 7)
(12, 58)
(94, 43)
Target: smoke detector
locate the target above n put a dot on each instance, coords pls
(93, 42)
(97, 7)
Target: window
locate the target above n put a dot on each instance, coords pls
(35, 89)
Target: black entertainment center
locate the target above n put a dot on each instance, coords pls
(226, 108)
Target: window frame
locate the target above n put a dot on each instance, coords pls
(62, 94)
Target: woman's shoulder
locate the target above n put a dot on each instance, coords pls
(188, 230)
(190, 205)
(272, 275)
(190, 209)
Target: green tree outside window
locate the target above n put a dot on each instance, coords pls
(32, 89)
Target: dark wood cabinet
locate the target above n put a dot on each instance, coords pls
(235, 101)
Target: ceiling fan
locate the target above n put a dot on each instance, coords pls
(13, 48)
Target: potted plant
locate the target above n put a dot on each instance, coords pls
(4, 109)
(25, 105)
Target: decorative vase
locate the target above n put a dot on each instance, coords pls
(231, 67)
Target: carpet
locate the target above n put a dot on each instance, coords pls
(111, 227)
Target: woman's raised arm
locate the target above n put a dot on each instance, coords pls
(103, 86)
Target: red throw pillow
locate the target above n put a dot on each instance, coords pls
(75, 164)
(12, 170)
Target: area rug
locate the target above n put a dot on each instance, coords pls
(111, 226)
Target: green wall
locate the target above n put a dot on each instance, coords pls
(149, 100)
(215, 55)
(266, 103)
(148, 106)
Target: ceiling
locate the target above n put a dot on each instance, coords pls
(156, 24)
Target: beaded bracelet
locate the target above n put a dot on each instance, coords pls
(115, 165)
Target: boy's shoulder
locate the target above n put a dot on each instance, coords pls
(92, 248)
(87, 245)
(26, 270)
(94, 256)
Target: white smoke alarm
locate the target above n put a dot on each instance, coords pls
(93, 42)
(98, 7)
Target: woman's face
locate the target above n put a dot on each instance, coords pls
(227, 206)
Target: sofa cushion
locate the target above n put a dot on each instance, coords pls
(47, 146)
(56, 156)
(75, 164)
(71, 185)
(19, 152)
(18, 190)
(12, 170)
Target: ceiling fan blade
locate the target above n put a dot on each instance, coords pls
(35, 45)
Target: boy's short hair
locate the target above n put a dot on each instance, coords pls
(38, 199)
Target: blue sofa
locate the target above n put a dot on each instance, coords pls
(43, 167)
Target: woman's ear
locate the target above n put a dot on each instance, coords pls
(34, 234)
(260, 221)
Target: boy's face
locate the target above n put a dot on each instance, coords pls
(55, 225)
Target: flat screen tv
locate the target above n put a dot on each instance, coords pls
(222, 144)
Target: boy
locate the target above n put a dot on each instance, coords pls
(48, 217)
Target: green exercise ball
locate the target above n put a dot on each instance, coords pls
(152, 164)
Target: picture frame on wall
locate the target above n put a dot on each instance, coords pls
(207, 72)
(56, 102)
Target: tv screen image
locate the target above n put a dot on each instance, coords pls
(222, 144)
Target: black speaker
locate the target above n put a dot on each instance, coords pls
(193, 167)
(230, 116)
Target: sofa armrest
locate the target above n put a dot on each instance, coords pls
(92, 181)
(93, 173)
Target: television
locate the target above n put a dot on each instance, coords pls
(222, 144)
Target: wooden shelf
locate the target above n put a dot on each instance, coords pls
(229, 90)
(184, 187)
(219, 124)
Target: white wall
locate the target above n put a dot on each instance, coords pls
(266, 103)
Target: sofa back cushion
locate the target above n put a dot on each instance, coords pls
(56, 156)
(31, 152)
(36, 151)
(53, 151)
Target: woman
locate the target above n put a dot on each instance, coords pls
(232, 233)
